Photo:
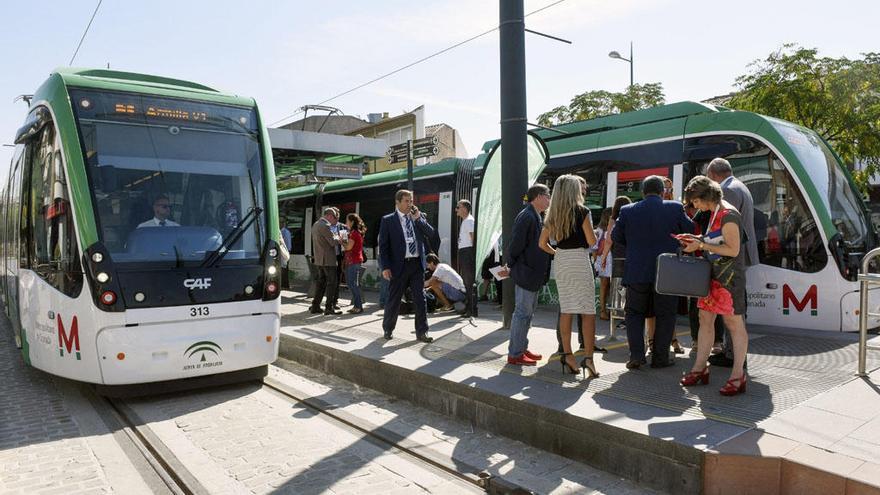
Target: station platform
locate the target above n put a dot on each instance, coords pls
(807, 423)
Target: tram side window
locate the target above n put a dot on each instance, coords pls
(787, 234)
(52, 248)
(293, 214)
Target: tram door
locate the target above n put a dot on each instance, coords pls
(11, 244)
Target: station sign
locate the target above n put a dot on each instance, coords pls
(398, 152)
(425, 151)
(339, 170)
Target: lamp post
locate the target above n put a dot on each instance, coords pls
(616, 55)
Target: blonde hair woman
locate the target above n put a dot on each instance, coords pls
(568, 221)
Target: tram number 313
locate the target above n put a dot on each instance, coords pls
(199, 311)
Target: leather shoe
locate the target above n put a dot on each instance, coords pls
(634, 364)
(531, 355)
(387, 335)
(522, 360)
(658, 363)
(315, 311)
(424, 338)
(332, 312)
(720, 360)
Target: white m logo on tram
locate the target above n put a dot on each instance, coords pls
(197, 283)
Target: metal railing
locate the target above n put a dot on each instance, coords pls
(866, 280)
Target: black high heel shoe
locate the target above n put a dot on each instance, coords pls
(588, 365)
(566, 368)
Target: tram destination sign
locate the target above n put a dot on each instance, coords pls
(339, 170)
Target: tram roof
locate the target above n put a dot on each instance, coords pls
(114, 80)
(606, 123)
(445, 166)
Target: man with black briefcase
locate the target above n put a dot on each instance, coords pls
(647, 229)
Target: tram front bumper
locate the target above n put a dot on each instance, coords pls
(174, 350)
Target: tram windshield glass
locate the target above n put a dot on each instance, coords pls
(172, 179)
(838, 195)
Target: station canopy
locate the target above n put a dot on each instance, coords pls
(296, 152)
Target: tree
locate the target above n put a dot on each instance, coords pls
(836, 97)
(594, 104)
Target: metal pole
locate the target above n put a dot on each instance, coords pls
(864, 285)
(631, 63)
(515, 178)
(409, 165)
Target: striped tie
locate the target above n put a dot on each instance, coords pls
(411, 246)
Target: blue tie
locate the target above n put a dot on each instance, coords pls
(411, 246)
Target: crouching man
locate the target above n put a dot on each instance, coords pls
(445, 283)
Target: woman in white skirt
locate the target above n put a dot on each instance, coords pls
(568, 221)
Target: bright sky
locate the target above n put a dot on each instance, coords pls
(287, 54)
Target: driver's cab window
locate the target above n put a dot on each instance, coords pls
(52, 251)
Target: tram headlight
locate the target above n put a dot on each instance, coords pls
(249, 289)
(272, 270)
(102, 277)
(139, 297)
(273, 252)
(97, 257)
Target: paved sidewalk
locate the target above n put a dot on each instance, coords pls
(51, 439)
(804, 402)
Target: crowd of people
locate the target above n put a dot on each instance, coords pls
(714, 220)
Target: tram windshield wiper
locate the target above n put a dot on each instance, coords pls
(217, 256)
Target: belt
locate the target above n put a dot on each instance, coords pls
(411, 259)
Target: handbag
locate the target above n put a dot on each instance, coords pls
(679, 275)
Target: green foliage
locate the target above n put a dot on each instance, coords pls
(837, 97)
(594, 104)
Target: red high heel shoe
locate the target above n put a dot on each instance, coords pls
(696, 377)
(734, 386)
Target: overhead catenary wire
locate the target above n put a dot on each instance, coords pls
(85, 32)
(407, 66)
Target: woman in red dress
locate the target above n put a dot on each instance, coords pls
(721, 245)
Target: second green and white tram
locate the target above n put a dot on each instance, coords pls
(139, 232)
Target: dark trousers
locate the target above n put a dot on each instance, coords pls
(640, 299)
(325, 284)
(339, 262)
(414, 278)
(467, 267)
(579, 330)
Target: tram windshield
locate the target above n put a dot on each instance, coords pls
(171, 179)
(837, 194)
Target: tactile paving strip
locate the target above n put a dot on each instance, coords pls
(784, 371)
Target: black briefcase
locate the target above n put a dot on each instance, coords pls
(679, 275)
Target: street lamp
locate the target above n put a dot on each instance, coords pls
(616, 55)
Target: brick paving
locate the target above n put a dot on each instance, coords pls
(41, 448)
(264, 444)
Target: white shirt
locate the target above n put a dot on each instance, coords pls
(409, 240)
(445, 273)
(154, 222)
(465, 231)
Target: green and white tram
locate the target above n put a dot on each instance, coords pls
(812, 225)
(139, 232)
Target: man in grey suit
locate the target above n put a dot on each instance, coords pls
(324, 243)
(737, 194)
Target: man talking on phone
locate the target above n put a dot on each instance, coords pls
(402, 252)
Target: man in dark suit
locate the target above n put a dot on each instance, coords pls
(402, 252)
(645, 229)
(324, 243)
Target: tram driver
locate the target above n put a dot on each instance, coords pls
(161, 214)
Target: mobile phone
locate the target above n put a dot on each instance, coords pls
(412, 209)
